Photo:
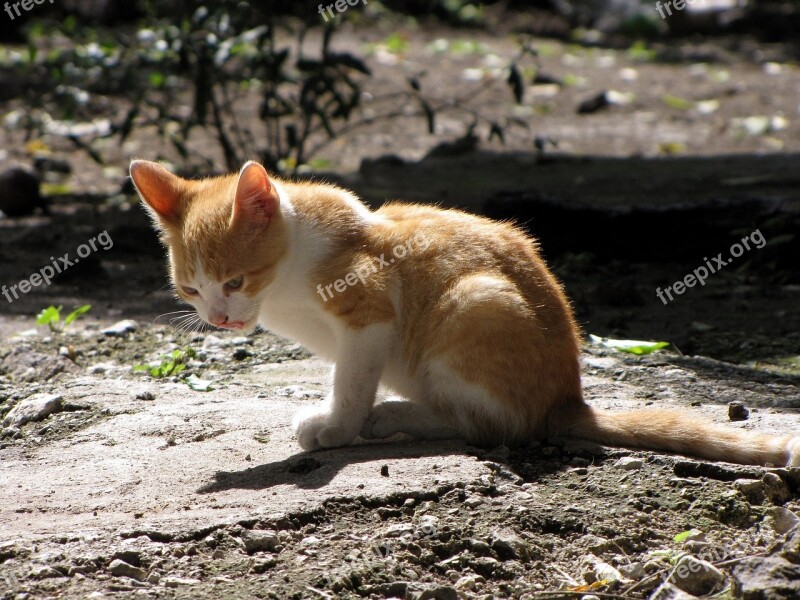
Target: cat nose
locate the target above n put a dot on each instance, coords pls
(219, 321)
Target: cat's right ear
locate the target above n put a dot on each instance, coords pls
(161, 190)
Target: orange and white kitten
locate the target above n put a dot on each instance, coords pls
(456, 313)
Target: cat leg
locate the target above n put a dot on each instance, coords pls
(360, 359)
(399, 416)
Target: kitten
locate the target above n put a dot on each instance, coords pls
(456, 313)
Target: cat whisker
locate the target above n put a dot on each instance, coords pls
(180, 313)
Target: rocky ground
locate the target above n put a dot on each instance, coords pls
(119, 483)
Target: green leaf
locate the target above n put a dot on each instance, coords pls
(77, 313)
(676, 102)
(157, 79)
(684, 535)
(199, 385)
(177, 368)
(631, 346)
(396, 43)
(49, 316)
(262, 437)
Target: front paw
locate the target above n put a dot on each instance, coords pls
(316, 431)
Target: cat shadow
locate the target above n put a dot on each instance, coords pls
(313, 470)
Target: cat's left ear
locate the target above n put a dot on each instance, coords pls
(162, 191)
(256, 198)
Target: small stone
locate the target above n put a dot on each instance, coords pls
(753, 490)
(119, 568)
(764, 578)
(484, 565)
(777, 490)
(667, 591)
(790, 550)
(11, 432)
(510, 545)
(737, 411)
(260, 541)
(173, 582)
(241, 354)
(212, 341)
(100, 368)
(469, 582)
(121, 328)
(783, 520)
(262, 565)
(147, 396)
(633, 571)
(629, 463)
(443, 592)
(385, 471)
(473, 502)
(19, 193)
(44, 572)
(154, 578)
(33, 408)
(697, 577)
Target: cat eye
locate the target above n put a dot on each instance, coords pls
(235, 283)
(189, 291)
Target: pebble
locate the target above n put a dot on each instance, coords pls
(696, 577)
(260, 541)
(473, 502)
(737, 411)
(120, 328)
(470, 582)
(33, 408)
(629, 463)
(173, 582)
(753, 490)
(783, 520)
(44, 572)
(777, 490)
(119, 568)
(510, 545)
(262, 565)
(101, 367)
(667, 591)
(767, 577)
(443, 592)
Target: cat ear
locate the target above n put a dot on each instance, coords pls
(161, 190)
(256, 198)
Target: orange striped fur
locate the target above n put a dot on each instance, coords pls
(467, 324)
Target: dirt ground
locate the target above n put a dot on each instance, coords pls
(142, 486)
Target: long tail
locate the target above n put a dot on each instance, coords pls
(675, 432)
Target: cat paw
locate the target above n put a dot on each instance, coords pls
(794, 452)
(381, 422)
(314, 431)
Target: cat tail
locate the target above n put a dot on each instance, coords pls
(676, 432)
